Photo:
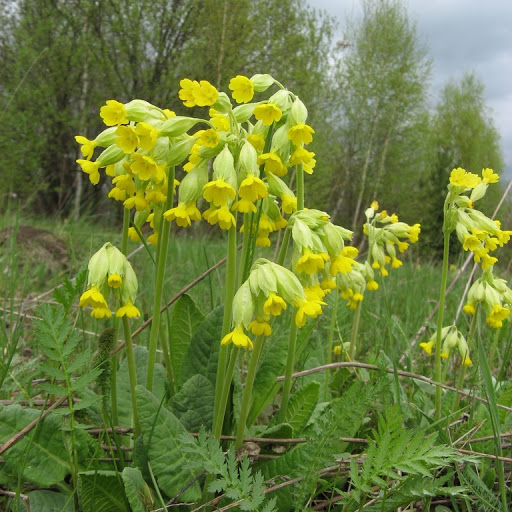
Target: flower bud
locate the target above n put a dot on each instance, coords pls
(223, 104)
(111, 155)
(140, 110)
(244, 112)
(224, 167)
(107, 137)
(191, 187)
(262, 82)
(281, 99)
(243, 306)
(180, 151)
(130, 285)
(98, 267)
(176, 126)
(249, 159)
(298, 112)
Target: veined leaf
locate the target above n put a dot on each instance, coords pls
(137, 490)
(203, 350)
(162, 432)
(101, 491)
(186, 317)
(301, 406)
(193, 404)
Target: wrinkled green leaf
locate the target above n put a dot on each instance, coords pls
(193, 404)
(137, 490)
(162, 431)
(101, 491)
(203, 350)
(186, 317)
(301, 406)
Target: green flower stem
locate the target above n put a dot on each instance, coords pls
(290, 360)
(462, 372)
(249, 383)
(355, 330)
(113, 361)
(284, 246)
(444, 277)
(494, 346)
(331, 339)
(226, 386)
(300, 188)
(243, 270)
(163, 242)
(132, 375)
(219, 407)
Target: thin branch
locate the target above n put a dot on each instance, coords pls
(401, 373)
(25, 430)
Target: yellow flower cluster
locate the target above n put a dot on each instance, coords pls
(266, 293)
(475, 231)
(451, 338)
(110, 273)
(386, 235)
(251, 146)
(494, 295)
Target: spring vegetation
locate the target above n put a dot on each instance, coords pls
(246, 266)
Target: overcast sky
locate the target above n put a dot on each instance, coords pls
(462, 35)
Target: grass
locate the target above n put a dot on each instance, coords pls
(390, 321)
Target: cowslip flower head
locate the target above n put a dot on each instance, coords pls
(143, 166)
(461, 178)
(126, 139)
(257, 141)
(311, 262)
(147, 135)
(274, 305)
(243, 89)
(221, 216)
(90, 168)
(260, 327)
(272, 163)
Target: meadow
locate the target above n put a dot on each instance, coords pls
(152, 363)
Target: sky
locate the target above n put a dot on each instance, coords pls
(462, 36)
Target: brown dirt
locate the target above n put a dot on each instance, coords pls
(37, 246)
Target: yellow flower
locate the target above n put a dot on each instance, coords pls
(374, 205)
(206, 95)
(218, 192)
(394, 218)
(257, 140)
(137, 201)
(244, 206)
(132, 234)
(188, 92)
(243, 89)
(341, 264)
(372, 285)
(238, 338)
(263, 240)
(87, 146)
(117, 194)
(469, 308)
(128, 310)
(274, 305)
(272, 164)
(302, 156)
(267, 113)
(179, 214)
(471, 242)
(101, 313)
(114, 280)
(143, 166)
(94, 298)
(147, 134)
(125, 182)
(210, 138)
(396, 263)
(90, 168)
(252, 188)
(126, 139)
(288, 203)
(311, 263)
(260, 327)
(497, 315)
(402, 246)
(152, 239)
(113, 113)
(301, 134)
(222, 216)
(305, 308)
(428, 346)
(414, 232)
(355, 300)
(460, 178)
(489, 176)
